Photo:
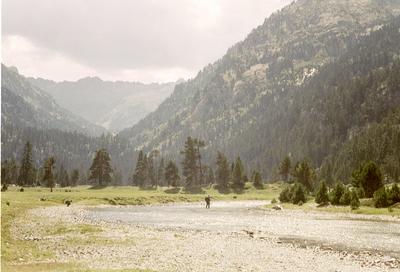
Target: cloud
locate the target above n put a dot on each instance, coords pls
(119, 39)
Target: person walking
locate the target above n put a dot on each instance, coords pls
(208, 201)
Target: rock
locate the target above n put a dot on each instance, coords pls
(277, 208)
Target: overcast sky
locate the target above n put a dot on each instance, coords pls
(134, 40)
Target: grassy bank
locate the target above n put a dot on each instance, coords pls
(366, 207)
(22, 255)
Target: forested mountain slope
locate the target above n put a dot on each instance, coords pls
(26, 105)
(282, 90)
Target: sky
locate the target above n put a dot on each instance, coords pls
(131, 40)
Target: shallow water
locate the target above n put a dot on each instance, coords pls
(323, 229)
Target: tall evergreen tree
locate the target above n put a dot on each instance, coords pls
(222, 172)
(140, 175)
(303, 174)
(101, 169)
(284, 168)
(27, 172)
(151, 171)
(62, 177)
(237, 176)
(171, 174)
(257, 180)
(190, 163)
(199, 144)
(48, 175)
(160, 173)
(370, 178)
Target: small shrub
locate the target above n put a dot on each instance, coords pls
(381, 198)
(299, 194)
(300, 203)
(346, 198)
(273, 201)
(360, 192)
(394, 194)
(21, 189)
(354, 201)
(322, 194)
(337, 193)
(284, 196)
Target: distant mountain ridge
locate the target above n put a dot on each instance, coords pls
(113, 105)
(234, 103)
(28, 106)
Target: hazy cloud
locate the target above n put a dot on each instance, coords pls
(147, 40)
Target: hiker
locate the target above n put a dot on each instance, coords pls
(208, 200)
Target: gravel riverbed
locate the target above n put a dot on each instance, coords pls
(231, 236)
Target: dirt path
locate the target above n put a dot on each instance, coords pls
(231, 236)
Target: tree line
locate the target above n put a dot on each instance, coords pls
(366, 181)
(151, 170)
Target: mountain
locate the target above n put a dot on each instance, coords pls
(26, 105)
(278, 92)
(112, 105)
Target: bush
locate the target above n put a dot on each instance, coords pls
(322, 194)
(346, 197)
(370, 178)
(360, 192)
(299, 194)
(285, 196)
(273, 201)
(337, 193)
(293, 194)
(394, 194)
(381, 198)
(354, 201)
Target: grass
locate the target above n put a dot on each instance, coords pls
(20, 255)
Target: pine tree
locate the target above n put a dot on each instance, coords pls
(222, 172)
(140, 175)
(74, 177)
(303, 174)
(237, 177)
(322, 194)
(160, 173)
(101, 169)
(26, 173)
(284, 168)
(48, 176)
(151, 173)
(62, 177)
(171, 174)
(5, 175)
(370, 178)
(257, 180)
(199, 144)
(190, 163)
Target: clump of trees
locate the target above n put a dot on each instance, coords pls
(295, 194)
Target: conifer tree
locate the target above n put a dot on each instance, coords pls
(303, 174)
(284, 168)
(322, 194)
(222, 172)
(27, 172)
(237, 177)
(101, 169)
(171, 174)
(257, 180)
(140, 175)
(160, 173)
(190, 163)
(48, 175)
(370, 178)
(199, 144)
